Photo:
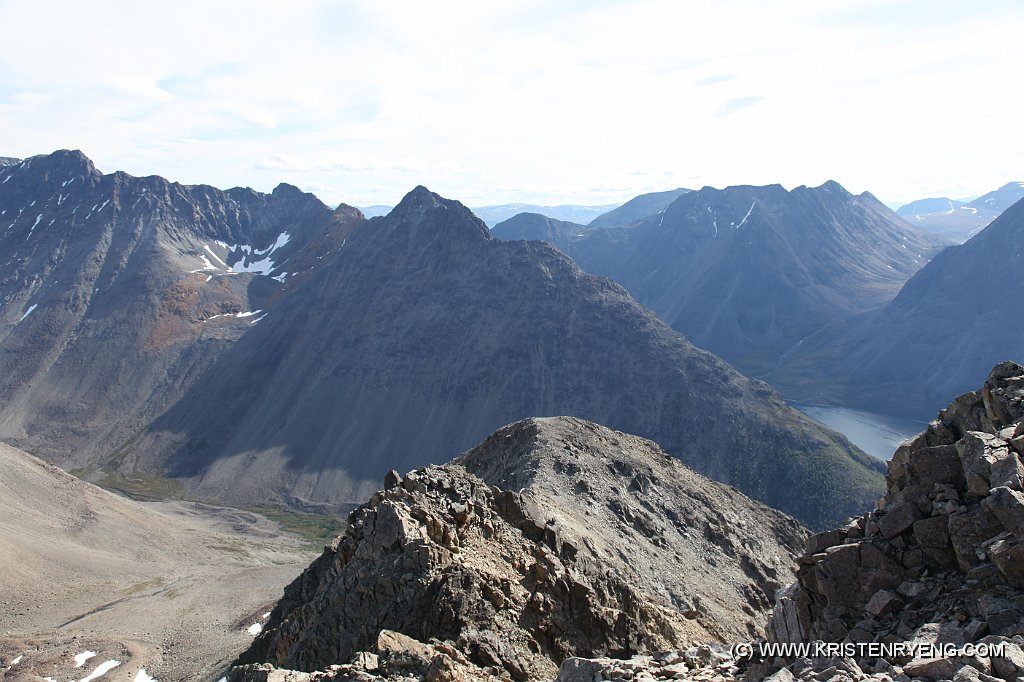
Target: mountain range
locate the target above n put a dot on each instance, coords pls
(265, 350)
(423, 334)
(265, 347)
(118, 291)
(960, 220)
(955, 317)
(750, 272)
(494, 214)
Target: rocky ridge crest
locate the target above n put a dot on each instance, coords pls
(446, 575)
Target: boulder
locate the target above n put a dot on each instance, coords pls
(932, 668)
(968, 530)
(883, 602)
(938, 464)
(898, 518)
(579, 670)
(932, 535)
(980, 454)
(1008, 506)
(1009, 666)
(1008, 556)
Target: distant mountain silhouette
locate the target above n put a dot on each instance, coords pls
(958, 221)
(637, 208)
(536, 227)
(575, 213)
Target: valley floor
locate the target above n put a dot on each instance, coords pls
(174, 589)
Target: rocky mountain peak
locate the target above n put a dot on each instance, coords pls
(647, 501)
(346, 211)
(284, 190)
(58, 170)
(538, 227)
(833, 186)
(64, 162)
(423, 218)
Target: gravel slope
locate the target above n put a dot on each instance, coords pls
(169, 587)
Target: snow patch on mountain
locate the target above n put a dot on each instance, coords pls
(264, 264)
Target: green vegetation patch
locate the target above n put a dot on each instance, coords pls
(144, 487)
(316, 528)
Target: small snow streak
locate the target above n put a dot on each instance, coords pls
(101, 670)
(32, 229)
(749, 211)
(207, 265)
(210, 251)
(28, 312)
(81, 658)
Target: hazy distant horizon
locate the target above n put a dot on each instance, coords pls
(584, 103)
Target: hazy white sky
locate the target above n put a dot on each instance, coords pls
(503, 101)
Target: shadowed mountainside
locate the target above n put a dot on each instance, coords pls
(422, 334)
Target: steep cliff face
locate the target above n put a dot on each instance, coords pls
(514, 581)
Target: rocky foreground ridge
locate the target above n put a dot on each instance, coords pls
(445, 574)
(939, 562)
(941, 558)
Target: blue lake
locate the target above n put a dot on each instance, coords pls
(876, 434)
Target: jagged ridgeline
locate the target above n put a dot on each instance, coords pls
(264, 346)
(117, 292)
(749, 272)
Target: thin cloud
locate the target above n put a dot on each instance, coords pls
(372, 98)
(738, 103)
(714, 80)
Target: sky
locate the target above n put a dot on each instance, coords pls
(585, 102)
